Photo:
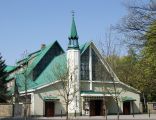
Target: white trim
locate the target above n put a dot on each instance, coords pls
(100, 82)
(32, 104)
(96, 95)
(32, 90)
(90, 68)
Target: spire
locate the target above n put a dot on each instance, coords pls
(73, 38)
(73, 34)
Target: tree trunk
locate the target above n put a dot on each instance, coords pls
(118, 110)
(67, 111)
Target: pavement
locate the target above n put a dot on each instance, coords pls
(109, 117)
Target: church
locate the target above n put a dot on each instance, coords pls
(78, 80)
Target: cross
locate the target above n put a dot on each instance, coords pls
(73, 13)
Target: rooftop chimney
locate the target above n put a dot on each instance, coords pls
(43, 46)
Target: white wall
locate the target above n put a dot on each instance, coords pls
(39, 103)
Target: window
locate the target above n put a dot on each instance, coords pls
(85, 65)
(154, 106)
(99, 72)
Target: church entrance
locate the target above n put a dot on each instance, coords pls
(126, 108)
(49, 109)
(96, 108)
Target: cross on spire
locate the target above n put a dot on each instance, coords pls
(73, 38)
(73, 13)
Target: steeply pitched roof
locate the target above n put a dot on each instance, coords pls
(36, 56)
(73, 32)
(46, 77)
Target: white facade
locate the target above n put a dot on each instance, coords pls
(73, 61)
(94, 92)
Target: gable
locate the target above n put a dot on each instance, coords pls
(102, 65)
(50, 54)
(100, 69)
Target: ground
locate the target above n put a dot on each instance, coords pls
(110, 117)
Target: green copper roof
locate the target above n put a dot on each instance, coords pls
(51, 98)
(97, 92)
(127, 98)
(84, 47)
(10, 77)
(73, 34)
(46, 77)
(9, 68)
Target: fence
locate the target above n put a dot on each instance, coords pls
(6, 110)
(16, 110)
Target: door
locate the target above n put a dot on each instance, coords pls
(49, 109)
(126, 108)
(92, 108)
(96, 108)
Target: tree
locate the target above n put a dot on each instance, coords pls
(136, 23)
(111, 59)
(65, 85)
(139, 27)
(3, 75)
(21, 82)
(148, 55)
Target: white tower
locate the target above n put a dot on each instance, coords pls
(73, 58)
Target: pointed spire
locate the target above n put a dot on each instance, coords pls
(73, 38)
(73, 34)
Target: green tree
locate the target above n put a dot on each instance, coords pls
(148, 62)
(3, 75)
(139, 29)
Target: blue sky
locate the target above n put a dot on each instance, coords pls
(26, 24)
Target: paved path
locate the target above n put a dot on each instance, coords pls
(110, 117)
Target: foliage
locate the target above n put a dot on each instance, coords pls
(136, 23)
(148, 62)
(139, 29)
(3, 75)
(138, 71)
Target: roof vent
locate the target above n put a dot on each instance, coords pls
(43, 46)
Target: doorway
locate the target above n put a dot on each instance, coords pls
(96, 108)
(49, 109)
(126, 108)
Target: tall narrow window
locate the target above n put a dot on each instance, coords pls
(85, 65)
(99, 72)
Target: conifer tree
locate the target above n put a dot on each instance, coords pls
(3, 75)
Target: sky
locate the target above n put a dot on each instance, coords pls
(26, 24)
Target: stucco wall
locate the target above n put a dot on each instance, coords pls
(135, 104)
(5, 110)
(122, 91)
(151, 107)
(39, 102)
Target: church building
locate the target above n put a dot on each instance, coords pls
(79, 79)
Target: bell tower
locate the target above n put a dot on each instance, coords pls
(73, 62)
